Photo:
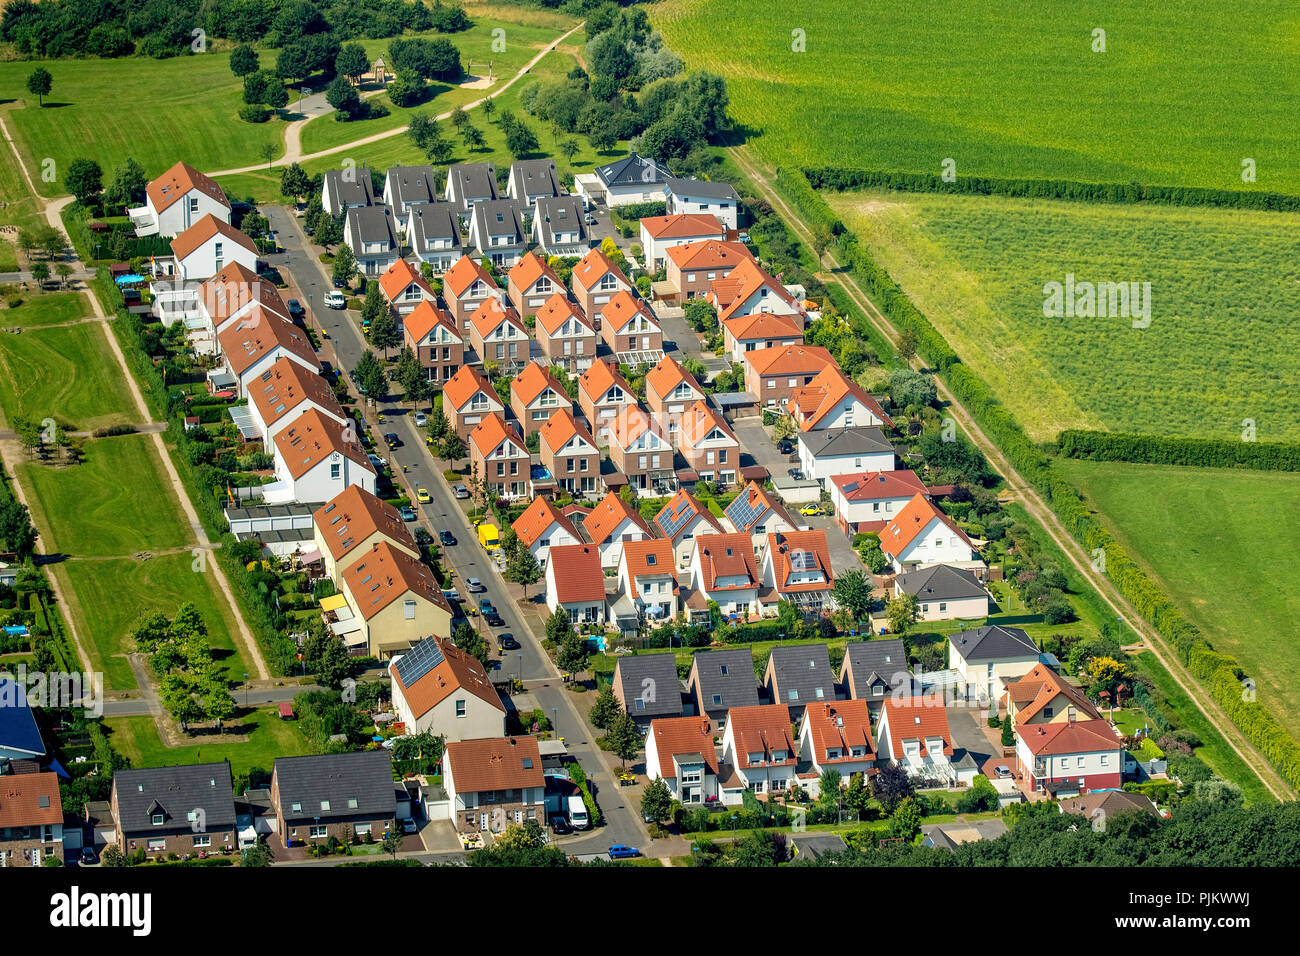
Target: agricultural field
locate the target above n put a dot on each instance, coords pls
(1221, 345)
(67, 373)
(1213, 540)
(1007, 89)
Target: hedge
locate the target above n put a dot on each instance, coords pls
(1195, 452)
(840, 178)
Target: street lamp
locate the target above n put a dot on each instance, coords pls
(245, 691)
(555, 722)
(521, 668)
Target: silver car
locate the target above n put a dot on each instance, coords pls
(460, 491)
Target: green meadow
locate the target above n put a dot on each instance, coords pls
(67, 373)
(136, 738)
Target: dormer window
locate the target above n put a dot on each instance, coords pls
(158, 819)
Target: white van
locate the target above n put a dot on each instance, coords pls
(334, 299)
(577, 813)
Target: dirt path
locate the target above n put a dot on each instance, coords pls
(293, 132)
(1030, 500)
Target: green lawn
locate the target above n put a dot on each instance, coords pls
(136, 738)
(115, 503)
(1222, 345)
(116, 593)
(46, 308)
(1213, 540)
(64, 373)
(1184, 91)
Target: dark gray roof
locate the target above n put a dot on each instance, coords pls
(350, 187)
(736, 688)
(858, 440)
(939, 840)
(559, 213)
(471, 182)
(177, 793)
(867, 660)
(499, 217)
(813, 845)
(373, 224)
(431, 222)
(409, 184)
(534, 177)
(702, 188)
(291, 510)
(336, 785)
(800, 675)
(633, 170)
(941, 582)
(662, 697)
(993, 641)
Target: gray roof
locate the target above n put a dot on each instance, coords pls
(409, 184)
(800, 675)
(939, 840)
(351, 784)
(992, 642)
(433, 221)
(350, 187)
(633, 170)
(813, 845)
(858, 440)
(736, 688)
(561, 213)
(372, 224)
(471, 182)
(499, 217)
(702, 188)
(662, 696)
(867, 660)
(534, 177)
(941, 582)
(177, 793)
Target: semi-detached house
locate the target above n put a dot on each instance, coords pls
(351, 523)
(315, 459)
(395, 600)
(467, 399)
(441, 690)
(176, 200)
(566, 337)
(536, 395)
(498, 453)
(569, 453)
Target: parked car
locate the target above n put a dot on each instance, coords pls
(420, 419)
(88, 857)
(811, 510)
(494, 619)
(785, 446)
(474, 586)
(591, 220)
(376, 461)
(1002, 771)
(296, 311)
(334, 299)
(340, 284)
(508, 642)
(796, 474)
(460, 491)
(422, 496)
(452, 595)
(407, 513)
(447, 538)
(560, 826)
(621, 851)
(391, 439)
(408, 825)
(484, 604)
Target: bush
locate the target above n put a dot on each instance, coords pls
(254, 113)
(1192, 452)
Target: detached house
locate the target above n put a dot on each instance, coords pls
(682, 520)
(708, 444)
(501, 458)
(723, 570)
(533, 179)
(497, 231)
(494, 782)
(799, 676)
(541, 526)
(921, 535)
(640, 451)
(875, 670)
(797, 566)
(680, 752)
(468, 398)
(465, 287)
(646, 686)
(832, 400)
(258, 340)
(395, 600)
(775, 374)
(186, 810)
(31, 819)
(344, 189)
(612, 523)
(569, 453)
(371, 233)
(228, 296)
(596, 280)
(350, 524)
(535, 396)
(758, 752)
(432, 335)
(441, 690)
(749, 333)
(315, 459)
(200, 252)
(686, 197)
(566, 337)
(433, 233)
(990, 657)
(1044, 697)
(669, 391)
(176, 200)
(633, 179)
(469, 184)
(283, 392)
(497, 334)
(629, 327)
(748, 290)
(406, 188)
(869, 500)
(531, 283)
(661, 233)
(944, 593)
(837, 736)
(721, 681)
(913, 734)
(693, 268)
(404, 288)
(1069, 758)
(756, 513)
(560, 228)
(602, 395)
(334, 795)
(575, 583)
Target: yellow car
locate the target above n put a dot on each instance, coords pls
(811, 510)
(422, 496)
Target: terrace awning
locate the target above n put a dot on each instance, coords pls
(333, 602)
(242, 416)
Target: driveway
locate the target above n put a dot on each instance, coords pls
(964, 723)
(758, 446)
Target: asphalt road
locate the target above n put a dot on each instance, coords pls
(465, 559)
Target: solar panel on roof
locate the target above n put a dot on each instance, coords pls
(676, 518)
(802, 560)
(746, 512)
(417, 662)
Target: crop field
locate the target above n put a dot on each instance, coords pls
(67, 373)
(1222, 345)
(1008, 89)
(1214, 540)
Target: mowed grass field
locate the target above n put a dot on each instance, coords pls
(1182, 94)
(136, 738)
(1222, 345)
(67, 373)
(1217, 542)
(44, 309)
(115, 593)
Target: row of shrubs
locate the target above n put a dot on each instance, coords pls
(1195, 452)
(840, 178)
(1220, 673)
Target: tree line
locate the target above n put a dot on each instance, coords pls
(1193, 452)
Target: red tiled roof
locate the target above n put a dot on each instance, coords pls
(698, 423)
(457, 671)
(353, 515)
(593, 267)
(600, 378)
(910, 522)
(764, 325)
(631, 422)
(529, 269)
(460, 388)
(557, 310)
(284, 386)
(532, 381)
(725, 556)
(577, 573)
(398, 277)
(815, 400)
(875, 485)
(257, 334)
(177, 181)
(605, 518)
(491, 313)
(839, 725)
(624, 308)
(560, 429)
(915, 718)
(21, 796)
(203, 230)
(234, 287)
(383, 575)
(761, 729)
(489, 434)
(709, 254)
(495, 763)
(784, 544)
(1072, 737)
(311, 438)
(653, 556)
(683, 735)
(682, 225)
(788, 360)
(422, 320)
(667, 375)
(1042, 685)
(750, 278)
(537, 517)
(462, 274)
